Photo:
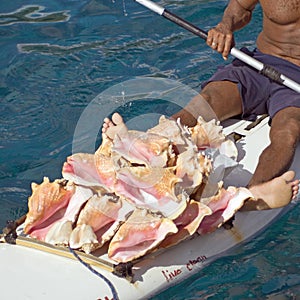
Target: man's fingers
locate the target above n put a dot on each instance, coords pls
(220, 42)
(209, 40)
(221, 45)
(228, 43)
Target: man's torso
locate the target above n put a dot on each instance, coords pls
(281, 29)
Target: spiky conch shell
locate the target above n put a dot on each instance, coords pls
(47, 198)
(207, 134)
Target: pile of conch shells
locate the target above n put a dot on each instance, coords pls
(140, 191)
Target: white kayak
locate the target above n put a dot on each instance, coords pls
(38, 271)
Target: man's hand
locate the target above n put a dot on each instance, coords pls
(221, 39)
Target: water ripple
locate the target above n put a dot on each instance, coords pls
(13, 200)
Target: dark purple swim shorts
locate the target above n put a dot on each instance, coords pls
(260, 95)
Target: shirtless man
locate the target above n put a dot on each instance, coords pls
(238, 90)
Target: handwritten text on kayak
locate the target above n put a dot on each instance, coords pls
(172, 274)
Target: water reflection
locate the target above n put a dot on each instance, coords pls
(33, 14)
(46, 48)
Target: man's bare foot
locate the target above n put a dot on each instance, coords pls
(113, 127)
(275, 193)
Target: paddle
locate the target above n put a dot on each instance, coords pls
(266, 70)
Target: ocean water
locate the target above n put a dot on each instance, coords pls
(57, 57)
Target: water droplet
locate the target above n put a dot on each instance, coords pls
(124, 9)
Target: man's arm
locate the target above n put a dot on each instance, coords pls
(236, 15)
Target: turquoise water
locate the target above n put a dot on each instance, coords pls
(57, 56)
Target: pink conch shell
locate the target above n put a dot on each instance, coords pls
(46, 199)
(59, 233)
(142, 148)
(193, 168)
(79, 198)
(106, 170)
(151, 188)
(207, 134)
(187, 223)
(83, 237)
(81, 169)
(105, 147)
(103, 213)
(171, 129)
(229, 149)
(224, 205)
(141, 233)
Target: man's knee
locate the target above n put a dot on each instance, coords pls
(286, 132)
(286, 123)
(213, 91)
(224, 98)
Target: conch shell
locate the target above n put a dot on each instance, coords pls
(142, 232)
(207, 134)
(47, 198)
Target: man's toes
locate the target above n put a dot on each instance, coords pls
(295, 188)
(106, 120)
(288, 176)
(117, 119)
(105, 127)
